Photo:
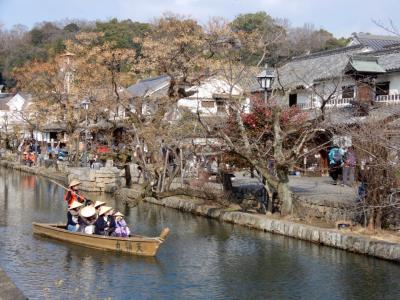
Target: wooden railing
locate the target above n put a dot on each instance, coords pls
(339, 102)
(343, 102)
(395, 98)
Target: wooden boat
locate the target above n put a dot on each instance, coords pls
(135, 245)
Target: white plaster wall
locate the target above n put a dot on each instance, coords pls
(13, 116)
(214, 86)
(205, 92)
(394, 79)
(16, 102)
(333, 87)
(303, 96)
(194, 104)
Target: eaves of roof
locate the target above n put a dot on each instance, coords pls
(365, 64)
(327, 52)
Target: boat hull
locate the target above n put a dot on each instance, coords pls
(135, 245)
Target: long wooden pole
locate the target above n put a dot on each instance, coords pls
(181, 160)
(65, 188)
(59, 184)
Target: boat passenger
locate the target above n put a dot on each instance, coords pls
(87, 219)
(121, 228)
(73, 193)
(73, 216)
(98, 204)
(105, 224)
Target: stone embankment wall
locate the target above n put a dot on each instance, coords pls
(106, 179)
(345, 240)
(42, 171)
(327, 211)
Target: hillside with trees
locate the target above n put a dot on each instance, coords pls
(280, 41)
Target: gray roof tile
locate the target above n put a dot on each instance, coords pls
(304, 70)
(376, 42)
(147, 86)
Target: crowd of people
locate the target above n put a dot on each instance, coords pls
(30, 150)
(91, 217)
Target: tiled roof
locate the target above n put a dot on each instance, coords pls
(365, 64)
(244, 77)
(347, 116)
(376, 42)
(147, 86)
(4, 103)
(304, 70)
(389, 59)
(158, 86)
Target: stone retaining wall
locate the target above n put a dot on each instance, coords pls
(106, 179)
(42, 171)
(345, 240)
(327, 211)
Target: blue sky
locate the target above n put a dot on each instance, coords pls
(342, 17)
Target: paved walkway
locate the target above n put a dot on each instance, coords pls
(313, 189)
(321, 189)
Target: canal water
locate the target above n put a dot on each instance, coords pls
(201, 259)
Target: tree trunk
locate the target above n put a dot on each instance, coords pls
(284, 192)
(285, 195)
(76, 160)
(371, 220)
(164, 174)
(181, 164)
(128, 177)
(378, 219)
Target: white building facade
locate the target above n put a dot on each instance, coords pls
(341, 76)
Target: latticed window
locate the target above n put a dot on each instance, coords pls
(220, 106)
(348, 91)
(207, 104)
(382, 88)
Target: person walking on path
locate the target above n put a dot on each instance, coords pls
(335, 157)
(349, 167)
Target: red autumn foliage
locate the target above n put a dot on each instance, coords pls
(260, 118)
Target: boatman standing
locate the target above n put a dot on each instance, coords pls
(73, 193)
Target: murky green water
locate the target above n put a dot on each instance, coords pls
(202, 259)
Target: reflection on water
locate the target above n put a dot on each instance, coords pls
(202, 259)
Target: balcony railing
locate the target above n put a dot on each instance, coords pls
(389, 99)
(343, 102)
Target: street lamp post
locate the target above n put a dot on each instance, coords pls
(85, 105)
(265, 80)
